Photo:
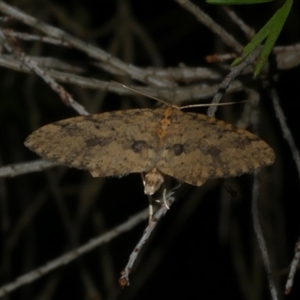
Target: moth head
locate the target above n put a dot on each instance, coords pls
(152, 181)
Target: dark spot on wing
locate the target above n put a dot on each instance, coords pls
(214, 151)
(92, 142)
(68, 127)
(243, 143)
(178, 149)
(99, 124)
(139, 145)
(210, 150)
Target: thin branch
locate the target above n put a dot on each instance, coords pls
(50, 63)
(220, 58)
(289, 48)
(25, 168)
(249, 32)
(287, 57)
(260, 237)
(293, 269)
(124, 279)
(177, 96)
(32, 37)
(92, 51)
(72, 255)
(32, 65)
(295, 152)
(285, 129)
(224, 85)
(202, 17)
(5, 19)
(181, 74)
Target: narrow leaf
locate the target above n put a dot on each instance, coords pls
(236, 2)
(256, 41)
(278, 23)
(270, 32)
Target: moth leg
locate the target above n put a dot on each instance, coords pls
(150, 210)
(150, 200)
(165, 199)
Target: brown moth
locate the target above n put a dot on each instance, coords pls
(190, 147)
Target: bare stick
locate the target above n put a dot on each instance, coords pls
(289, 48)
(178, 96)
(220, 58)
(285, 129)
(287, 57)
(295, 152)
(260, 237)
(229, 78)
(124, 279)
(5, 19)
(32, 65)
(249, 32)
(28, 167)
(92, 51)
(72, 255)
(227, 38)
(32, 37)
(293, 269)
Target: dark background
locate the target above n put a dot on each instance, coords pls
(205, 247)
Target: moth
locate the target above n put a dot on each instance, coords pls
(189, 147)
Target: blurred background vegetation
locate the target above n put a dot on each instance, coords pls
(205, 247)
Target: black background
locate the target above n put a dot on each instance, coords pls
(191, 254)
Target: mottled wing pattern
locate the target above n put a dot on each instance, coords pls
(107, 144)
(197, 147)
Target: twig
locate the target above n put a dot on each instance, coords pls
(289, 48)
(124, 279)
(32, 37)
(126, 16)
(249, 109)
(227, 38)
(181, 74)
(285, 129)
(287, 57)
(293, 269)
(25, 168)
(177, 96)
(32, 65)
(229, 78)
(50, 63)
(260, 237)
(249, 32)
(219, 58)
(5, 19)
(72, 255)
(295, 152)
(92, 51)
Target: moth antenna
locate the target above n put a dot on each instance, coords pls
(181, 107)
(211, 104)
(141, 93)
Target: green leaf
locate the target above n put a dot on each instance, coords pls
(236, 2)
(278, 22)
(256, 41)
(270, 32)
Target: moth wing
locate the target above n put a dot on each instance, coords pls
(198, 148)
(107, 144)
